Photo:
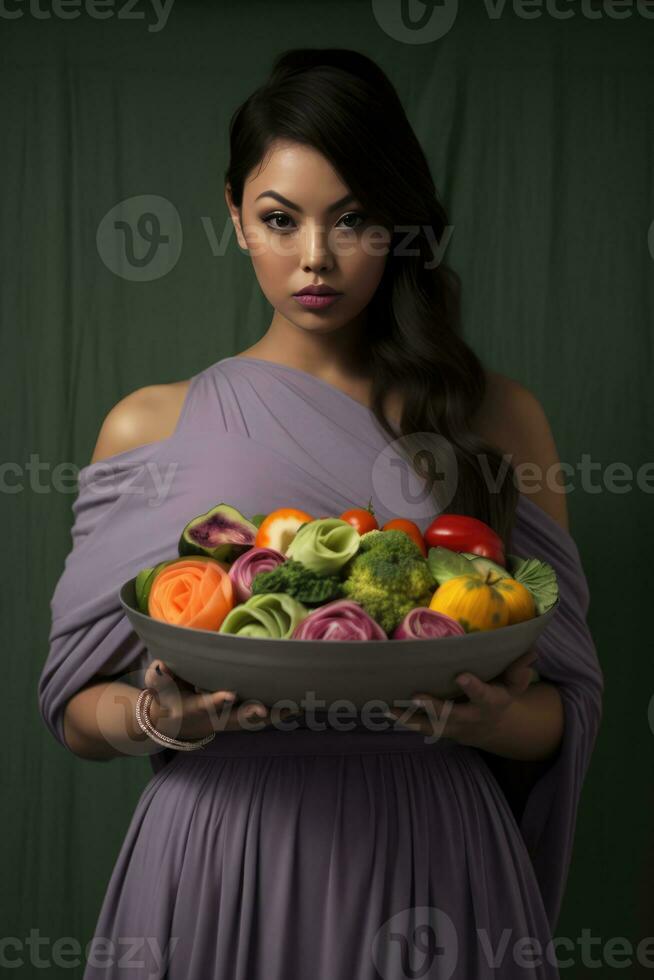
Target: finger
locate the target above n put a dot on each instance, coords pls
(213, 702)
(476, 690)
(424, 709)
(517, 680)
(430, 704)
(255, 709)
(436, 717)
(159, 676)
(525, 660)
(519, 675)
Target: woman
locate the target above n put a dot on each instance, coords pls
(321, 853)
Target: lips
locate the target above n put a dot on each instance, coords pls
(316, 301)
(317, 291)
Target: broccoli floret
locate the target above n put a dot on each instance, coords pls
(388, 576)
(303, 583)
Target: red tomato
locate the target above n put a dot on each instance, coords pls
(361, 519)
(414, 532)
(458, 532)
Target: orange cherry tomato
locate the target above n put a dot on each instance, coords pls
(414, 532)
(362, 519)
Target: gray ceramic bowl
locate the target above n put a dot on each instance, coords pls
(271, 670)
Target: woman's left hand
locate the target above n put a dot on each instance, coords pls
(476, 720)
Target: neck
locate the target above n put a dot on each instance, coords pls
(339, 353)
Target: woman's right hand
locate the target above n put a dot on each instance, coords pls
(181, 711)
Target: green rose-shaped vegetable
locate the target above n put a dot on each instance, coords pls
(324, 545)
(273, 615)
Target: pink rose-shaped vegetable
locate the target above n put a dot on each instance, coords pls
(424, 623)
(342, 619)
(249, 564)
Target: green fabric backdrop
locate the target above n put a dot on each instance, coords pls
(539, 133)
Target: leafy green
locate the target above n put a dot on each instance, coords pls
(445, 564)
(539, 577)
(292, 577)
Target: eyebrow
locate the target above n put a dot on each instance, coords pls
(296, 207)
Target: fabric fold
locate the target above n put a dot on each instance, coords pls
(567, 657)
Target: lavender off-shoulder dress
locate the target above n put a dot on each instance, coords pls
(312, 854)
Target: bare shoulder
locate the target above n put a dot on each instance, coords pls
(513, 420)
(146, 415)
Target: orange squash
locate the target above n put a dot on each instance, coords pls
(520, 600)
(193, 592)
(484, 602)
(474, 603)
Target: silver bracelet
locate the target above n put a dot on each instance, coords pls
(143, 703)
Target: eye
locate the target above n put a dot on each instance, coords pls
(281, 215)
(354, 214)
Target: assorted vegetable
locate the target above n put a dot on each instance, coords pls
(299, 581)
(270, 616)
(339, 620)
(278, 528)
(388, 577)
(286, 575)
(248, 565)
(461, 533)
(483, 602)
(414, 532)
(362, 519)
(193, 592)
(221, 533)
(423, 623)
(325, 545)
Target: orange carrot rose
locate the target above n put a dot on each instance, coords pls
(193, 592)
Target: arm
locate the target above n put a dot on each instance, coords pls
(531, 727)
(514, 421)
(515, 719)
(100, 722)
(100, 719)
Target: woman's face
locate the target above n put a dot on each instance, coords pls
(317, 235)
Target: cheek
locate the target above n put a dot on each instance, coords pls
(363, 272)
(273, 268)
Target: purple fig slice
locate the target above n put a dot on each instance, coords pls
(222, 533)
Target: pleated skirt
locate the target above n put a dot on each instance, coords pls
(323, 855)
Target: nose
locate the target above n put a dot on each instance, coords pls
(316, 255)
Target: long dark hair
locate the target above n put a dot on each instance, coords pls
(341, 103)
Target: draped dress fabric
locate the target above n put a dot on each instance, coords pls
(295, 854)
